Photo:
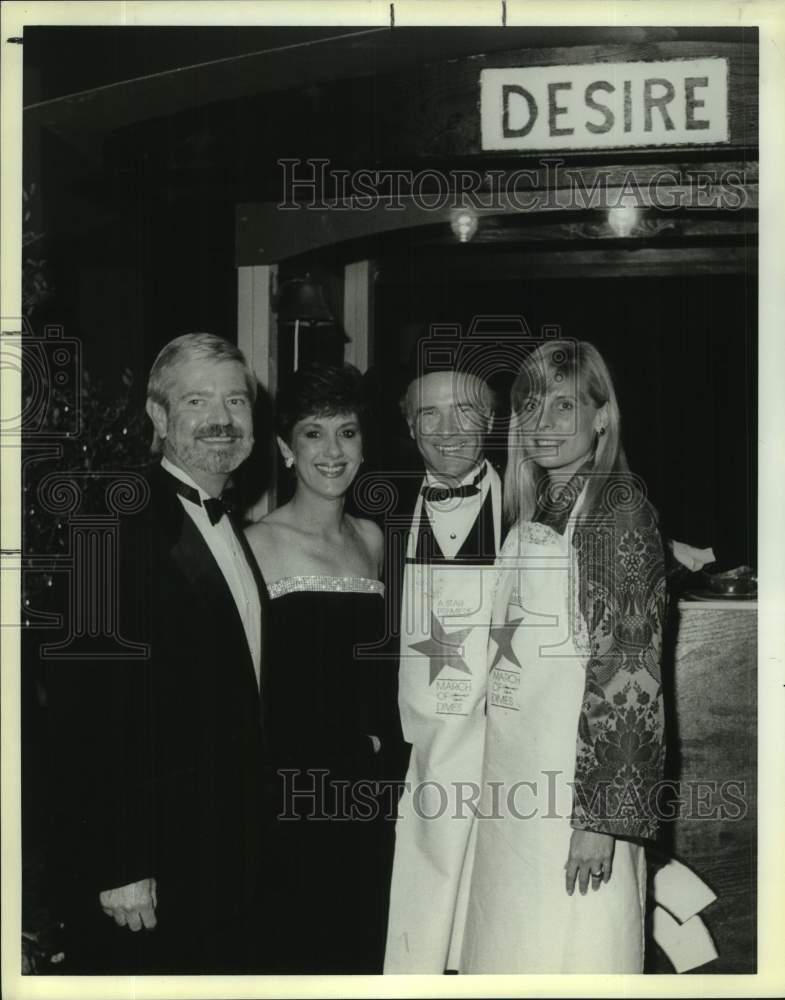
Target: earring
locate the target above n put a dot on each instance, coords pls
(288, 462)
(601, 431)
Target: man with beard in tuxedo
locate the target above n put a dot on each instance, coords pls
(159, 762)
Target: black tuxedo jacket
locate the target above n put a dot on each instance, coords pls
(159, 762)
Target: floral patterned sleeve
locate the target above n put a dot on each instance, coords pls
(620, 751)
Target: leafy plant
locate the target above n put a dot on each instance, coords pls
(36, 287)
(111, 436)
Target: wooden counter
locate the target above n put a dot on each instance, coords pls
(710, 683)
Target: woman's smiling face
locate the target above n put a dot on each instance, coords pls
(559, 425)
(327, 452)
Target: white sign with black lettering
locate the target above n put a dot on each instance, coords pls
(605, 105)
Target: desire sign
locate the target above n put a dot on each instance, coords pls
(605, 105)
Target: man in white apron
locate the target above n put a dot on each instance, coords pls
(452, 542)
(451, 546)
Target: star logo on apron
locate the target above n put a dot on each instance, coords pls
(443, 650)
(502, 636)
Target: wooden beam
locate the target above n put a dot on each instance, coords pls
(266, 234)
(607, 263)
(735, 227)
(358, 313)
(287, 59)
(255, 321)
(256, 339)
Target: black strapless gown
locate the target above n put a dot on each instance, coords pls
(333, 796)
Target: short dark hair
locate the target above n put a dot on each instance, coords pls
(484, 396)
(320, 391)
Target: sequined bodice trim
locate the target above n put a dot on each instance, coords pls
(325, 584)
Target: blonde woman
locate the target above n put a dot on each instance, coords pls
(575, 722)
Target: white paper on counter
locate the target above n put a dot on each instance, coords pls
(694, 559)
(680, 891)
(687, 945)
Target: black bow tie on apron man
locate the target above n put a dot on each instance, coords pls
(436, 494)
(216, 507)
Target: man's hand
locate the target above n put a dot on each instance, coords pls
(591, 856)
(132, 905)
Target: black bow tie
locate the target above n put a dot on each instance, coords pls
(436, 494)
(216, 507)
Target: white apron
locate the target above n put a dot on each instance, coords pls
(442, 684)
(520, 918)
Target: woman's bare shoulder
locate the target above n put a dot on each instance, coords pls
(273, 542)
(369, 531)
(372, 538)
(270, 532)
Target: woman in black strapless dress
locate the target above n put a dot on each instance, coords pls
(335, 743)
